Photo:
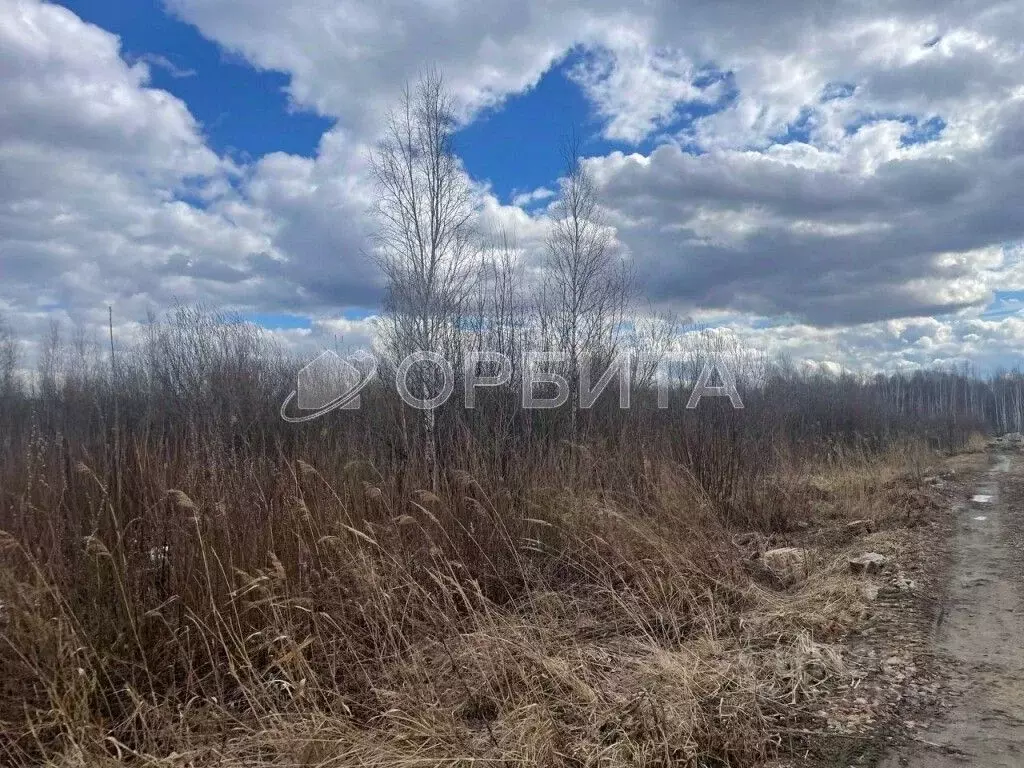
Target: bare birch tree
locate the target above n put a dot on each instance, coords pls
(425, 242)
(506, 304)
(585, 285)
(653, 337)
(9, 356)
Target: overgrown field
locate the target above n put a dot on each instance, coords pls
(187, 581)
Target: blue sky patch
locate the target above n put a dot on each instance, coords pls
(516, 145)
(1004, 304)
(917, 132)
(689, 113)
(279, 321)
(834, 91)
(244, 112)
(922, 133)
(781, 321)
(799, 131)
(358, 313)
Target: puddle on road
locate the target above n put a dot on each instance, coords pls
(981, 518)
(982, 498)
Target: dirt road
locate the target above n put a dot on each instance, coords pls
(982, 629)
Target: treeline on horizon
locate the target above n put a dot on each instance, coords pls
(205, 379)
(209, 386)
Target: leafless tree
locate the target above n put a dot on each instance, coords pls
(503, 322)
(653, 339)
(50, 365)
(425, 243)
(9, 358)
(586, 285)
(507, 307)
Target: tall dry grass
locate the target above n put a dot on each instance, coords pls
(185, 580)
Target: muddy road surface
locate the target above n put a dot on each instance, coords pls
(981, 629)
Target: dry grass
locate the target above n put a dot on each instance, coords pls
(239, 610)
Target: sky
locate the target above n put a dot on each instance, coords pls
(837, 182)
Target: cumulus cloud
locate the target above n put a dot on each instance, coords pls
(538, 195)
(637, 89)
(112, 197)
(986, 344)
(909, 115)
(847, 165)
(920, 234)
(93, 162)
(350, 59)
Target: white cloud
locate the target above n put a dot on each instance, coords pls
(162, 62)
(897, 345)
(350, 59)
(92, 161)
(638, 89)
(848, 231)
(102, 174)
(65, 86)
(538, 195)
